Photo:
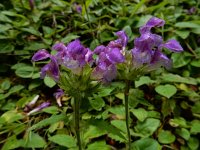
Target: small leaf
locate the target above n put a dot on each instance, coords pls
(97, 102)
(148, 127)
(49, 82)
(184, 133)
(166, 90)
(34, 140)
(193, 143)
(143, 80)
(140, 113)
(63, 140)
(195, 127)
(5, 85)
(146, 144)
(99, 145)
(166, 137)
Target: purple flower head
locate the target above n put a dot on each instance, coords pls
(147, 50)
(41, 55)
(121, 42)
(59, 93)
(79, 8)
(51, 69)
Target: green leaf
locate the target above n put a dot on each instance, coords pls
(180, 60)
(195, 127)
(25, 72)
(140, 113)
(10, 116)
(119, 111)
(193, 143)
(178, 122)
(63, 140)
(5, 85)
(97, 102)
(51, 110)
(99, 145)
(49, 82)
(184, 133)
(148, 127)
(166, 90)
(6, 47)
(178, 79)
(187, 25)
(48, 121)
(69, 37)
(12, 143)
(183, 33)
(166, 137)
(146, 144)
(195, 63)
(33, 140)
(143, 80)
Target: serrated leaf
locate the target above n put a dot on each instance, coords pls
(34, 140)
(48, 121)
(63, 140)
(166, 90)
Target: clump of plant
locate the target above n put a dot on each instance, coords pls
(79, 71)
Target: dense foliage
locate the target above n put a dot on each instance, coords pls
(164, 105)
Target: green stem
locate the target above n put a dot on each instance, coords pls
(126, 94)
(77, 120)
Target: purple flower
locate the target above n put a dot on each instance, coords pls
(121, 42)
(51, 69)
(147, 51)
(39, 108)
(58, 94)
(41, 55)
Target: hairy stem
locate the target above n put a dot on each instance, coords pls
(126, 94)
(77, 120)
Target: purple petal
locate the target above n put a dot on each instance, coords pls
(155, 22)
(59, 93)
(152, 22)
(89, 56)
(123, 37)
(75, 48)
(158, 60)
(40, 55)
(173, 45)
(59, 47)
(44, 71)
(115, 56)
(141, 57)
(99, 49)
(51, 69)
(110, 74)
(54, 69)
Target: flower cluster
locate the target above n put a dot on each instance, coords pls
(146, 54)
(147, 51)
